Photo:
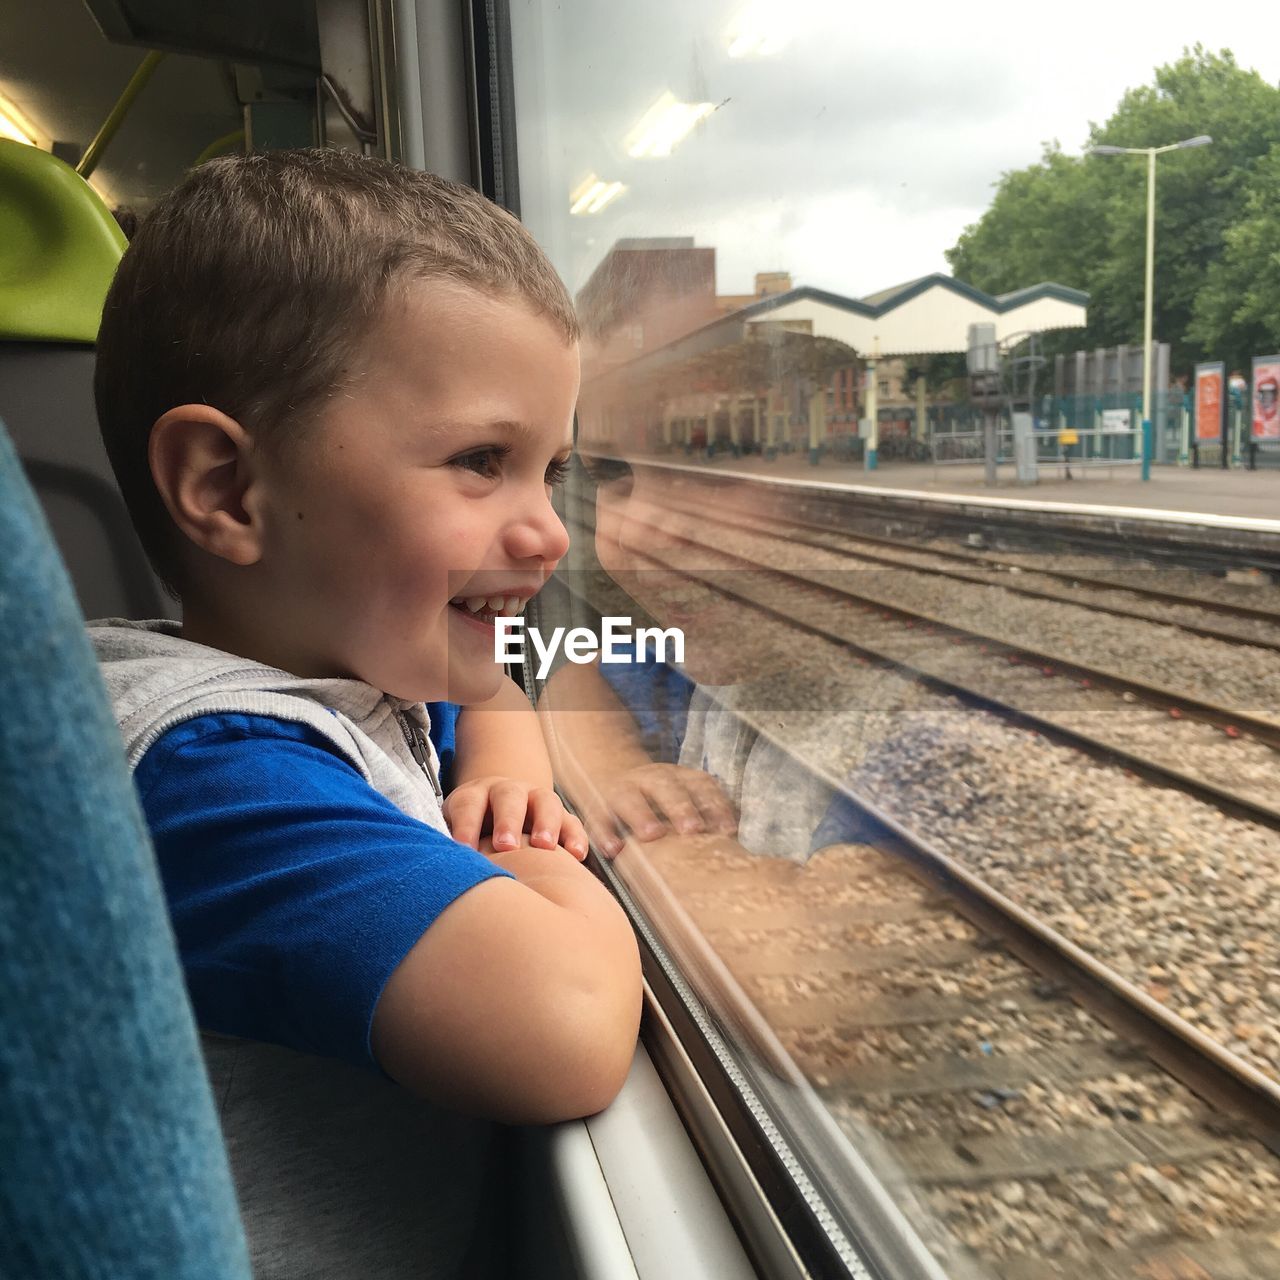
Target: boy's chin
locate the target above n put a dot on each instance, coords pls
(475, 684)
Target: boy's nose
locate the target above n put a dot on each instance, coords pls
(539, 535)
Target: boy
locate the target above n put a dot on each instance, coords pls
(335, 394)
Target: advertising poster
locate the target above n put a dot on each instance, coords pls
(1266, 390)
(1210, 388)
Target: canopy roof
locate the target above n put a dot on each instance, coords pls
(928, 316)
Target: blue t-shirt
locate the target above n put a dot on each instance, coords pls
(295, 888)
(657, 696)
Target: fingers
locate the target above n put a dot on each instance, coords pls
(670, 791)
(573, 836)
(629, 807)
(713, 804)
(692, 800)
(659, 798)
(545, 818)
(464, 810)
(549, 825)
(603, 832)
(510, 802)
(507, 809)
(648, 803)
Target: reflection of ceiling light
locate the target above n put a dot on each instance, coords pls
(664, 124)
(12, 125)
(759, 31)
(592, 194)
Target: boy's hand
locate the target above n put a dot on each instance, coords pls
(653, 799)
(503, 808)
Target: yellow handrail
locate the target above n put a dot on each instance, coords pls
(110, 126)
(218, 146)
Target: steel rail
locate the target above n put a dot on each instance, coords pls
(1209, 633)
(1235, 1077)
(1221, 798)
(829, 496)
(1232, 719)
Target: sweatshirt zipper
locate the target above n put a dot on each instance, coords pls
(418, 749)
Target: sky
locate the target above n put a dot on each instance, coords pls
(856, 154)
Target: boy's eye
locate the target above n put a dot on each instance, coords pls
(605, 471)
(484, 462)
(558, 471)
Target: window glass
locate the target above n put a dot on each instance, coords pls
(815, 244)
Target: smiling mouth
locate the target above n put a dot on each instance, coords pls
(485, 609)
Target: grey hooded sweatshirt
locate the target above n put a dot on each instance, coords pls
(341, 1174)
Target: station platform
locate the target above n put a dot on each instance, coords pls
(1207, 506)
(1209, 490)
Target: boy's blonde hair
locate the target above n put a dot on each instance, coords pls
(253, 284)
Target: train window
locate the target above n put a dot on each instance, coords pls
(928, 736)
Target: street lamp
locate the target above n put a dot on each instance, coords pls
(1203, 140)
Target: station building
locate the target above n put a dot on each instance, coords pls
(668, 362)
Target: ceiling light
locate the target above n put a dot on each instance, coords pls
(664, 125)
(13, 125)
(592, 194)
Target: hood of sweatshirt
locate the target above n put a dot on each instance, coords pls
(157, 680)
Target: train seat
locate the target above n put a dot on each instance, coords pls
(59, 247)
(113, 1161)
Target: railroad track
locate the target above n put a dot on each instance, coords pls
(1047, 1139)
(1162, 962)
(1096, 713)
(1054, 1120)
(1023, 1090)
(990, 570)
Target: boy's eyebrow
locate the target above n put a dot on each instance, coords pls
(521, 431)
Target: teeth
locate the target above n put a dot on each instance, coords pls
(503, 606)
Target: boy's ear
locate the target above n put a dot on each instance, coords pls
(201, 462)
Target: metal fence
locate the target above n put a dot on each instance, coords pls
(1066, 447)
(947, 448)
(1073, 450)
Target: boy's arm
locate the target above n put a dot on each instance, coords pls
(501, 738)
(521, 1002)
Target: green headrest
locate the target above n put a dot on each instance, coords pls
(59, 248)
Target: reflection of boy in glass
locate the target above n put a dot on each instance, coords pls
(665, 747)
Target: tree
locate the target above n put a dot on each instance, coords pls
(1033, 230)
(1237, 310)
(1082, 221)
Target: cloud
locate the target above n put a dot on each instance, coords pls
(856, 156)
